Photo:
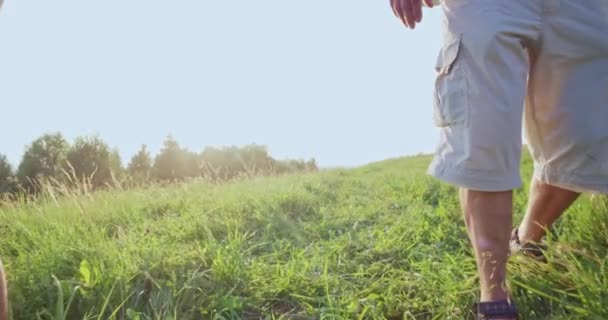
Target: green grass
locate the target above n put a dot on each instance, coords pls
(382, 241)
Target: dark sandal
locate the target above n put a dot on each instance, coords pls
(495, 310)
(529, 249)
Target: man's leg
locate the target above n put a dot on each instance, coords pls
(479, 97)
(3, 295)
(546, 204)
(488, 216)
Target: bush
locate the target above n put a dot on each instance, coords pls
(289, 166)
(229, 162)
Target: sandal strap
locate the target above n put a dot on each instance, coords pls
(533, 250)
(495, 309)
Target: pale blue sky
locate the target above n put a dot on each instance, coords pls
(338, 80)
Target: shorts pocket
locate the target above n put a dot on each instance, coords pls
(451, 105)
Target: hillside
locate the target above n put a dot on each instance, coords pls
(382, 241)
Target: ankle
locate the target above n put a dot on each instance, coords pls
(496, 291)
(525, 235)
(495, 295)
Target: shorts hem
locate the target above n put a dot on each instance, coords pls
(572, 182)
(475, 179)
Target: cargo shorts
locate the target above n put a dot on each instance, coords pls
(508, 64)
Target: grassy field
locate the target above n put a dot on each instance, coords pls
(382, 241)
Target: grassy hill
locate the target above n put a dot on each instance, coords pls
(382, 241)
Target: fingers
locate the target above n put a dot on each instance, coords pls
(398, 9)
(417, 4)
(396, 6)
(429, 3)
(408, 11)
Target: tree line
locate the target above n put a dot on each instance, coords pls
(91, 162)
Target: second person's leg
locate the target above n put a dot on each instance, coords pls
(546, 204)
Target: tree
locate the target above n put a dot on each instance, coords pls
(116, 164)
(6, 171)
(8, 183)
(91, 161)
(44, 158)
(140, 166)
(311, 165)
(255, 158)
(174, 163)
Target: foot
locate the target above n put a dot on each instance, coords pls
(529, 249)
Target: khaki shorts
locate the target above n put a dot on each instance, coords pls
(542, 64)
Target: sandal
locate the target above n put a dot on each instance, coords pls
(495, 310)
(529, 249)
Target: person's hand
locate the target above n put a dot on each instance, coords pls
(409, 11)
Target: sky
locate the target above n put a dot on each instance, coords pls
(339, 81)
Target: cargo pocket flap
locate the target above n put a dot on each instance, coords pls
(451, 107)
(448, 55)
